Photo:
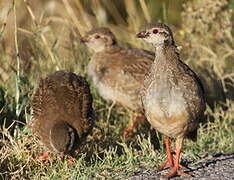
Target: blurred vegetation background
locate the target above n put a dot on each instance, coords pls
(40, 37)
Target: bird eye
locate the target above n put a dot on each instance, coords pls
(97, 37)
(155, 31)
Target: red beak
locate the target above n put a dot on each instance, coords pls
(142, 34)
(83, 40)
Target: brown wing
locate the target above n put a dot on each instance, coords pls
(198, 100)
(118, 74)
(192, 87)
(187, 72)
(193, 75)
(82, 105)
(44, 110)
(139, 63)
(134, 67)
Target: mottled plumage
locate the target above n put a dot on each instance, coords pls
(117, 73)
(173, 96)
(62, 113)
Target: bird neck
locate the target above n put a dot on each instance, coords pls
(112, 48)
(162, 47)
(165, 57)
(165, 53)
(103, 47)
(160, 53)
(159, 50)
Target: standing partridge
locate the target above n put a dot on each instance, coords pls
(173, 96)
(118, 73)
(62, 113)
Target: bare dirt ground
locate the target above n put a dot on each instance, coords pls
(215, 167)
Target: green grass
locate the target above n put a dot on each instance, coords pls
(106, 156)
(48, 42)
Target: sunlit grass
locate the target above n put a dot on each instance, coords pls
(107, 157)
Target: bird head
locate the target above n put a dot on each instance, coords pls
(98, 39)
(63, 138)
(157, 34)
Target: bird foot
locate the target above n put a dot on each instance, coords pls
(165, 165)
(71, 161)
(175, 171)
(138, 119)
(43, 157)
(170, 164)
(126, 133)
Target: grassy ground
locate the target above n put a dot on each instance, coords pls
(39, 38)
(104, 156)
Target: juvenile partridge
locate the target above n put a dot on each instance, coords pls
(118, 73)
(173, 96)
(62, 113)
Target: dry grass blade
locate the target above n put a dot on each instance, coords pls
(114, 12)
(134, 19)
(33, 17)
(80, 27)
(83, 14)
(17, 78)
(5, 20)
(100, 12)
(145, 11)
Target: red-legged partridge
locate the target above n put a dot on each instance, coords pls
(173, 96)
(62, 113)
(118, 73)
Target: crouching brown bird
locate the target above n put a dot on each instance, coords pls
(118, 73)
(62, 113)
(173, 96)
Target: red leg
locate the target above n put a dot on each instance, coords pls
(175, 169)
(44, 156)
(180, 166)
(169, 162)
(133, 124)
(71, 161)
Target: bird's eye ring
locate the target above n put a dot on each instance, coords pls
(155, 31)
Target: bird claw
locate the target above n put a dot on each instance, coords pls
(165, 165)
(175, 171)
(71, 161)
(43, 157)
(170, 164)
(126, 133)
